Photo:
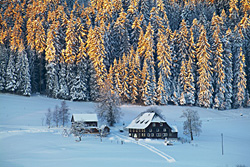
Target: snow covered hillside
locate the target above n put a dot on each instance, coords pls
(26, 142)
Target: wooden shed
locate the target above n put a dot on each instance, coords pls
(85, 122)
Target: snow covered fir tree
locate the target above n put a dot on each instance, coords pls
(190, 52)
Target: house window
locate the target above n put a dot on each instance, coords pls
(153, 124)
(158, 134)
(161, 124)
(165, 134)
(130, 134)
(157, 130)
(148, 134)
(150, 130)
(164, 130)
(152, 134)
(170, 134)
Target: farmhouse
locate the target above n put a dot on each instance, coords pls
(149, 124)
(87, 123)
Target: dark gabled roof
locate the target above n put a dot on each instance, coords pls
(143, 120)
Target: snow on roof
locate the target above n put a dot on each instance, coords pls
(144, 119)
(174, 129)
(85, 117)
(103, 126)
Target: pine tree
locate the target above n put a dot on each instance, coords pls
(3, 66)
(227, 53)
(175, 90)
(77, 91)
(182, 82)
(70, 52)
(245, 5)
(132, 14)
(117, 77)
(164, 68)
(245, 27)
(23, 74)
(11, 75)
(239, 81)
(63, 92)
(52, 85)
(96, 53)
(161, 93)
(136, 30)
(120, 41)
(51, 57)
(192, 68)
(125, 79)
(145, 89)
(182, 42)
(233, 13)
(149, 57)
(134, 73)
(117, 7)
(205, 89)
(182, 56)
(156, 22)
(218, 67)
(189, 88)
(195, 29)
(145, 8)
(71, 77)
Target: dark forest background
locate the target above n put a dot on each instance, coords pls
(182, 52)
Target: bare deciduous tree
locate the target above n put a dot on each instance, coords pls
(108, 109)
(56, 117)
(48, 116)
(192, 124)
(64, 114)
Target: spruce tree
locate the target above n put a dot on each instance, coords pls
(3, 66)
(11, 74)
(205, 89)
(233, 13)
(23, 74)
(136, 30)
(133, 74)
(227, 54)
(218, 67)
(63, 92)
(96, 53)
(239, 80)
(164, 68)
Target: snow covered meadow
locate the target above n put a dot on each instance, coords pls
(26, 142)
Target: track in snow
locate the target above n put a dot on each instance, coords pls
(149, 147)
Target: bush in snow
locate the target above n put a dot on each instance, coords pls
(192, 124)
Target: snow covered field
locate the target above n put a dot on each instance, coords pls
(26, 142)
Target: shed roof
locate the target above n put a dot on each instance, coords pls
(85, 117)
(144, 119)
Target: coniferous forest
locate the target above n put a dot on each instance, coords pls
(182, 52)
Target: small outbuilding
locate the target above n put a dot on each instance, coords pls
(150, 124)
(85, 123)
(104, 130)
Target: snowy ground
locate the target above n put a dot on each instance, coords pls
(26, 142)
